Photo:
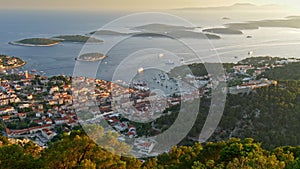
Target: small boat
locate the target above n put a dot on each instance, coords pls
(170, 62)
(33, 70)
(250, 53)
(249, 37)
(140, 70)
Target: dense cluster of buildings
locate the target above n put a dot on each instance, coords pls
(33, 106)
(39, 108)
(10, 62)
(249, 82)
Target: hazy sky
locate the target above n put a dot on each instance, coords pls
(128, 4)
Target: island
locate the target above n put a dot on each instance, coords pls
(178, 35)
(36, 42)
(42, 42)
(223, 31)
(8, 62)
(77, 38)
(108, 33)
(91, 57)
(173, 31)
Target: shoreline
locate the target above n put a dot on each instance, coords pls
(32, 45)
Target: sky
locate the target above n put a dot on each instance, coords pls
(129, 4)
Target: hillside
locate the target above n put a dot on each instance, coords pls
(289, 72)
(79, 151)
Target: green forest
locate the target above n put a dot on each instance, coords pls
(77, 150)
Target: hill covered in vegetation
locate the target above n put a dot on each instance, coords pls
(78, 151)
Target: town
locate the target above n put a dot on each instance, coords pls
(41, 108)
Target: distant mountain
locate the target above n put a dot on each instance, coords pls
(243, 4)
(235, 7)
(288, 22)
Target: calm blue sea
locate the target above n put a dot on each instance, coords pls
(55, 60)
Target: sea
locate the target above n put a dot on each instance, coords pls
(136, 52)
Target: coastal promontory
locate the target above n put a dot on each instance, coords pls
(10, 62)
